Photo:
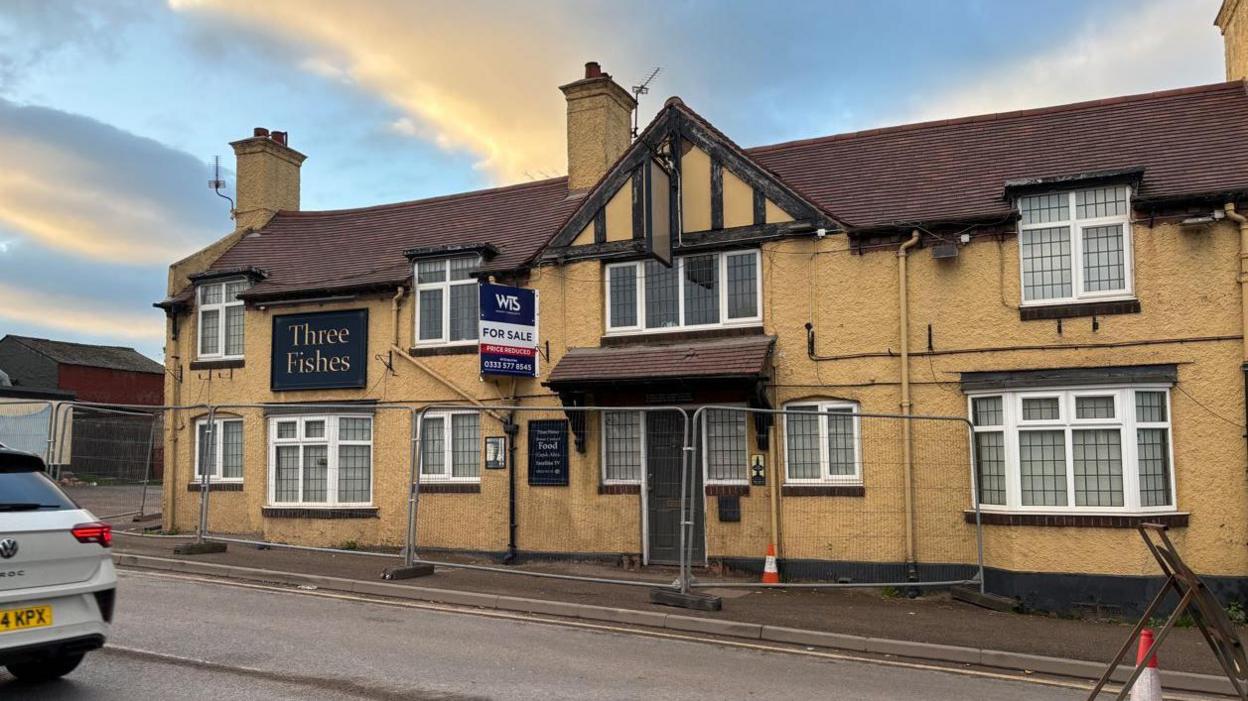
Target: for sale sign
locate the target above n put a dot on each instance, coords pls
(508, 331)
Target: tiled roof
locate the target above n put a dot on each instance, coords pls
(724, 358)
(1187, 141)
(108, 357)
(359, 248)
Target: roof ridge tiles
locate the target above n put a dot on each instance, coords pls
(998, 116)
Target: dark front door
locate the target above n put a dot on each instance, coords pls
(664, 449)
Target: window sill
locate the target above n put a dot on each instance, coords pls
(991, 518)
(333, 512)
(619, 489)
(691, 334)
(428, 351)
(215, 486)
(823, 490)
(221, 364)
(727, 490)
(450, 488)
(1077, 309)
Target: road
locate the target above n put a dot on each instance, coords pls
(187, 638)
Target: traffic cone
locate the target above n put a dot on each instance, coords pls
(1148, 686)
(771, 575)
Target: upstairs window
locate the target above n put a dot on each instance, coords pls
(703, 290)
(221, 319)
(1076, 246)
(446, 301)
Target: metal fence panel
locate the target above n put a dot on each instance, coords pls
(26, 426)
(859, 499)
(114, 468)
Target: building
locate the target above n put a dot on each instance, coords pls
(44, 376)
(87, 373)
(1068, 279)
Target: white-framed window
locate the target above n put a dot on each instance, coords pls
(450, 445)
(1090, 449)
(698, 291)
(323, 460)
(726, 457)
(1076, 245)
(623, 447)
(220, 454)
(824, 447)
(446, 301)
(220, 319)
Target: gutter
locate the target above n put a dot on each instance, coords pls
(906, 404)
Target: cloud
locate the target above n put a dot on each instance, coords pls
(1154, 45)
(77, 316)
(34, 31)
(89, 189)
(470, 77)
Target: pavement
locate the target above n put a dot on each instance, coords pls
(109, 500)
(932, 619)
(180, 638)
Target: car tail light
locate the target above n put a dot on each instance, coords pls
(97, 532)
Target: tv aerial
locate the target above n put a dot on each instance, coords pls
(218, 182)
(638, 91)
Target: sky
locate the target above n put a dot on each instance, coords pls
(111, 113)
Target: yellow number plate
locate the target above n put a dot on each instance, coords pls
(23, 618)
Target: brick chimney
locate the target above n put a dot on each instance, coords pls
(267, 177)
(599, 125)
(1232, 19)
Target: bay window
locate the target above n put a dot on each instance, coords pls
(822, 443)
(220, 319)
(321, 460)
(700, 290)
(450, 444)
(446, 301)
(1077, 450)
(1076, 246)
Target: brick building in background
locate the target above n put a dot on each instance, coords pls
(111, 374)
(43, 375)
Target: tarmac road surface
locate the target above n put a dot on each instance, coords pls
(191, 638)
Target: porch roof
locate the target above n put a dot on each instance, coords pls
(745, 357)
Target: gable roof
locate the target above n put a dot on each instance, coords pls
(1183, 143)
(1188, 142)
(108, 357)
(677, 121)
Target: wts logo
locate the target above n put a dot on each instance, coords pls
(510, 303)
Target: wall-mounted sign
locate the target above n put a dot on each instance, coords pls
(495, 452)
(758, 470)
(508, 331)
(320, 350)
(548, 453)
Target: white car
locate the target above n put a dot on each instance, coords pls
(57, 583)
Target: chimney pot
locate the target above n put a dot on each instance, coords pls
(279, 137)
(259, 131)
(593, 70)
